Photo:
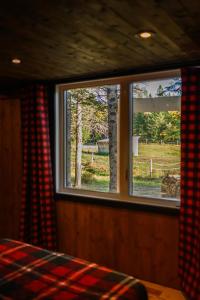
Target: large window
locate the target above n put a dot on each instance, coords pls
(119, 139)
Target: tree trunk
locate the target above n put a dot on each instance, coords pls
(78, 144)
(68, 139)
(112, 134)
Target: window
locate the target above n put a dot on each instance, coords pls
(156, 138)
(90, 138)
(119, 138)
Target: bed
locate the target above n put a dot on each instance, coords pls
(28, 272)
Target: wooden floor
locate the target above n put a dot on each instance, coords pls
(158, 292)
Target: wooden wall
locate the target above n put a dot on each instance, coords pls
(143, 244)
(136, 242)
(10, 167)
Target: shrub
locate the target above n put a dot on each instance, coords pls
(87, 177)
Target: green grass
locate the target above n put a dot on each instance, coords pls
(149, 182)
(101, 185)
(159, 151)
(95, 169)
(165, 160)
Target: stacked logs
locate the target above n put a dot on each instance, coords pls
(170, 186)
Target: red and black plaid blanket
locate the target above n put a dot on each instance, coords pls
(28, 272)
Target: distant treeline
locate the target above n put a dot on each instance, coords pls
(156, 127)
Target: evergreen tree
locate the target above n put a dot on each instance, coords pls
(160, 91)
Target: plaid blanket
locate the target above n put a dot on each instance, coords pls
(28, 272)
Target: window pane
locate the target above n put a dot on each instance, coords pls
(90, 135)
(156, 138)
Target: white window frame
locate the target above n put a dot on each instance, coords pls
(124, 141)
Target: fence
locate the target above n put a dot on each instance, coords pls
(149, 141)
(151, 168)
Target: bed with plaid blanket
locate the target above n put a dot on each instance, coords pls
(28, 272)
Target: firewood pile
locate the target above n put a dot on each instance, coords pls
(170, 186)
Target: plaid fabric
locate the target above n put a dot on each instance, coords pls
(29, 272)
(189, 242)
(37, 224)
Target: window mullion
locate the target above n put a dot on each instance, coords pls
(124, 141)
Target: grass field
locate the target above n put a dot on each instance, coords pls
(164, 158)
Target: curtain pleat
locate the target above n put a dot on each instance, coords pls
(189, 239)
(37, 221)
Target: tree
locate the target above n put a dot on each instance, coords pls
(160, 90)
(139, 90)
(157, 126)
(172, 130)
(112, 133)
(78, 98)
(174, 88)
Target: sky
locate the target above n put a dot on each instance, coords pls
(152, 86)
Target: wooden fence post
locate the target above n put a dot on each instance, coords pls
(151, 167)
(92, 158)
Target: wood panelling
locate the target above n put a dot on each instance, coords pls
(70, 39)
(10, 167)
(143, 244)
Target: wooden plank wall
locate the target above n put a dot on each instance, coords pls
(143, 244)
(10, 167)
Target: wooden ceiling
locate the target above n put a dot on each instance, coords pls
(74, 39)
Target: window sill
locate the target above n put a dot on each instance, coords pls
(132, 204)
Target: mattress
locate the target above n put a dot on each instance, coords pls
(28, 272)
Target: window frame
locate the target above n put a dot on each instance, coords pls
(124, 144)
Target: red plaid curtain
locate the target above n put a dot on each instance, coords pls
(189, 242)
(37, 223)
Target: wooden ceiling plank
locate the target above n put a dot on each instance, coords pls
(77, 38)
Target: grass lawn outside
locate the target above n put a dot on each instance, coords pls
(163, 158)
